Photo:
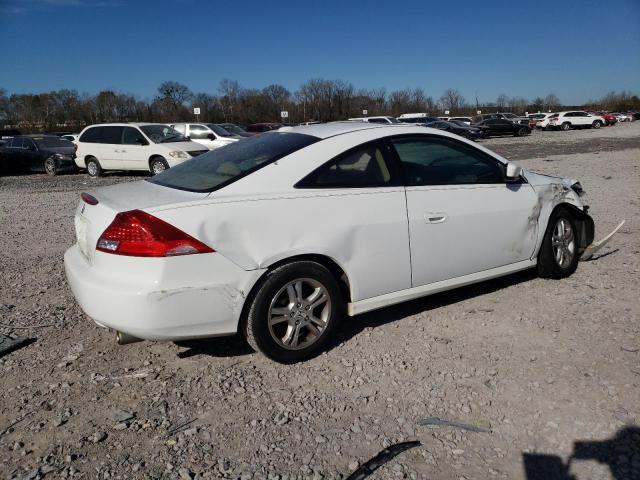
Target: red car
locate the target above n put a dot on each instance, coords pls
(263, 127)
(609, 118)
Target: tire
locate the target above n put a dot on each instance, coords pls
(50, 166)
(158, 165)
(565, 126)
(286, 295)
(522, 132)
(558, 256)
(93, 167)
(596, 124)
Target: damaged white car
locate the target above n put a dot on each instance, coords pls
(280, 235)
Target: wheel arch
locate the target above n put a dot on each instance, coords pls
(88, 157)
(584, 223)
(329, 263)
(153, 157)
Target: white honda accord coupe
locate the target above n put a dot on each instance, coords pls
(282, 234)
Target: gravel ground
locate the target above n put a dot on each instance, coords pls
(541, 364)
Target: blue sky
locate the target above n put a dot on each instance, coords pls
(575, 49)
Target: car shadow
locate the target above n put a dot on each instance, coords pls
(619, 453)
(353, 326)
(236, 345)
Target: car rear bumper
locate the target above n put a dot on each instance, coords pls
(176, 298)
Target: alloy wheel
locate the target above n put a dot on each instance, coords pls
(563, 243)
(298, 314)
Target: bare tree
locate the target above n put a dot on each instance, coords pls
(452, 100)
(551, 102)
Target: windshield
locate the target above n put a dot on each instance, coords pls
(162, 134)
(218, 130)
(52, 142)
(217, 168)
(394, 120)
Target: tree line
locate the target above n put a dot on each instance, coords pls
(316, 100)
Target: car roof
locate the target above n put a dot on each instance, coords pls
(331, 129)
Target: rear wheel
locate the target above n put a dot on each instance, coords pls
(294, 312)
(565, 126)
(93, 167)
(50, 166)
(596, 124)
(158, 165)
(558, 256)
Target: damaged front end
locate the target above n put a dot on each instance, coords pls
(555, 191)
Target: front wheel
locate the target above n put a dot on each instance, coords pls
(596, 124)
(158, 165)
(294, 312)
(558, 256)
(50, 167)
(522, 132)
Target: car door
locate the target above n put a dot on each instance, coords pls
(463, 217)
(31, 155)
(134, 151)
(110, 147)
(14, 155)
(360, 198)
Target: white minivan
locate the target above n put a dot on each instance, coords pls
(210, 135)
(133, 146)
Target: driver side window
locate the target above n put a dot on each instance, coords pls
(440, 161)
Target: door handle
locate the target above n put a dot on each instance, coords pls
(435, 217)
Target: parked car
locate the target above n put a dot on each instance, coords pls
(623, 117)
(416, 118)
(72, 137)
(210, 135)
(574, 119)
(608, 117)
(502, 126)
(133, 146)
(235, 130)
(263, 127)
(506, 115)
(209, 248)
(466, 120)
(472, 133)
(541, 120)
(37, 153)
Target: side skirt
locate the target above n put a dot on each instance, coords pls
(381, 301)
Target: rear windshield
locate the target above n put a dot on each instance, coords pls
(222, 166)
(52, 142)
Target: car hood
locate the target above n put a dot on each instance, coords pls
(541, 180)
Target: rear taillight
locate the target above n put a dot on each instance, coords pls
(75, 148)
(139, 234)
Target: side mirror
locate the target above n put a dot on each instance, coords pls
(514, 172)
(141, 141)
(211, 136)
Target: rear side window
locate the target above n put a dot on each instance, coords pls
(223, 166)
(111, 135)
(440, 161)
(364, 166)
(91, 135)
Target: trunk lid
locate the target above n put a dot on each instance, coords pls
(92, 220)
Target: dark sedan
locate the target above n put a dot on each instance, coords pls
(501, 126)
(235, 130)
(472, 133)
(37, 153)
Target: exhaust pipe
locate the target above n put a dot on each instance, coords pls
(125, 338)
